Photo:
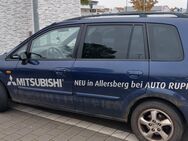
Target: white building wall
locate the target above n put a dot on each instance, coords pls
(57, 10)
(16, 18)
(15, 23)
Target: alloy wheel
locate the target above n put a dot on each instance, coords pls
(155, 125)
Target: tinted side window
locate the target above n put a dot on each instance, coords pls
(164, 42)
(107, 42)
(137, 46)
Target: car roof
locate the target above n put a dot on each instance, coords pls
(136, 17)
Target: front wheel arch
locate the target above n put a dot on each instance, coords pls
(8, 93)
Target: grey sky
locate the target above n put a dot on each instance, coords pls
(170, 3)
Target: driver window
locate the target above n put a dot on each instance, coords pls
(55, 44)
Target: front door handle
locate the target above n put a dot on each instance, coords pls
(61, 71)
(135, 74)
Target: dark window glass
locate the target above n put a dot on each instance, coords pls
(164, 42)
(107, 42)
(137, 46)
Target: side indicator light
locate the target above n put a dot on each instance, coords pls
(8, 72)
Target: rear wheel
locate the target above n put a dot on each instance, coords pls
(156, 121)
(3, 99)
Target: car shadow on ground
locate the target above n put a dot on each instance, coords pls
(104, 122)
(96, 120)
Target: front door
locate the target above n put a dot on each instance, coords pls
(45, 78)
(112, 66)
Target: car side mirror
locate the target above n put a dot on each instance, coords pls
(23, 56)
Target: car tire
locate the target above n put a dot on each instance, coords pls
(3, 99)
(156, 120)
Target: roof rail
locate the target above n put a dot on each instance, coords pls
(140, 14)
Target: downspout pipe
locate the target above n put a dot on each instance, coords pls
(35, 15)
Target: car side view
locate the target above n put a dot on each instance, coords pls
(131, 67)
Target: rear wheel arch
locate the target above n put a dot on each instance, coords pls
(157, 120)
(146, 99)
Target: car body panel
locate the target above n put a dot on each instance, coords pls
(60, 93)
(113, 103)
(98, 99)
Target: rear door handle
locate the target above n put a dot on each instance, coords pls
(135, 74)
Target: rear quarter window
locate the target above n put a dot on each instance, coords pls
(165, 43)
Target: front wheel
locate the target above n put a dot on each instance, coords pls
(3, 99)
(156, 121)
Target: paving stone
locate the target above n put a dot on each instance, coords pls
(64, 127)
(36, 112)
(62, 138)
(12, 137)
(73, 131)
(44, 138)
(19, 119)
(78, 138)
(6, 124)
(98, 137)
(55, 132)
(28, 109)
(29, 121)
(131, 137)
(43, 121)
(3, 140)
(19, 125)
(40, 131)
(62, 119)
(95, 127)
(84, 124)
(28, 137)
(113, 139)
(86, 133)
(35, 125)
(53, 116)
(107, 130)
(10, 130)
(4, 119)
(24, 131)
(72, 121)
(51, 125)
(2, 135)
(120, 134)
(45, 114)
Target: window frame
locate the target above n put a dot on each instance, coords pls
(29, 41)
(8, 57)
(80, 49)
(149, 46)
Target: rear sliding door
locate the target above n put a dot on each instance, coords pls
(111, 66)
